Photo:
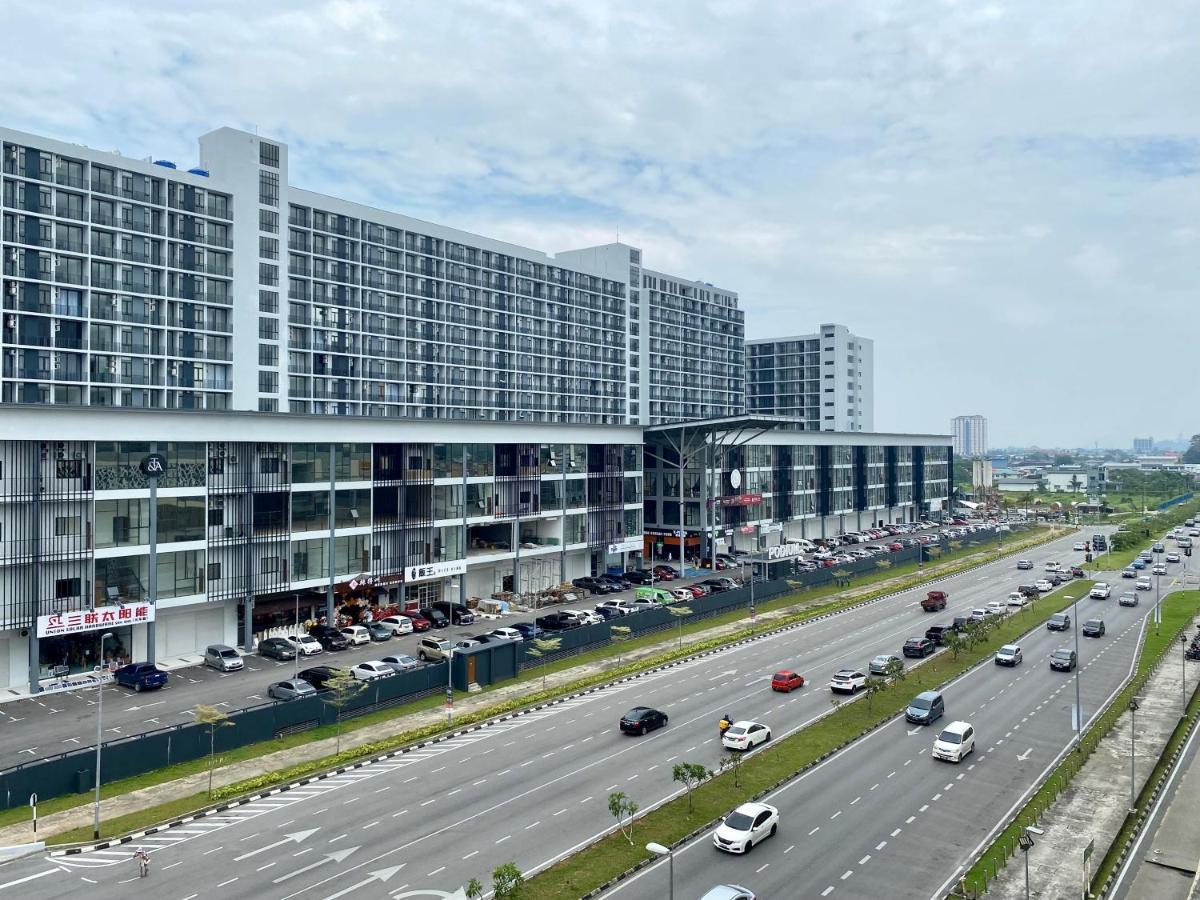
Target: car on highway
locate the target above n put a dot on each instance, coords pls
(1058, 622)
(729, 892)
(1159, 569)
(401, 662)
(1063, 660)
(320, 676)
(934, 601)
(305, 644)
(786, 681)
(356, 635)
(1079, 546)
(1143, 584)
(1158, 548)
(143, 676)
(978, 614)
(925, 708)
(847, 681)
(277, 648)
(882, 664)
(1093, 628)
(749, 824)
(1009, 655)
(1043, 585)
(955, 743)
(919, 647)
(641, 719)
(1139, 563)
(745, 735)
(1100, 591)
(1129, 598)
(996, 608)
(223, 658)
(1172, 557)
(1024, 564)
(379, 632)
(937, 633)
(402, 624)
(292, 689)
(1016, 599)
(1053, 566)
(330, 637)
(1129, 572)
(372, 670)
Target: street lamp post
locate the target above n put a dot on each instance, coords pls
(449, 687)
(1133, 708)
(660, 850)
(1078, 701)
(1025, 842)
(99, 738)
(1183, 674)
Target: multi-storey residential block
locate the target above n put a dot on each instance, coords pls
(970, 435)
(827, 379)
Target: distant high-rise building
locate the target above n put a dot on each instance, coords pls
(970, 435)
(827, 379)
(1143, 445)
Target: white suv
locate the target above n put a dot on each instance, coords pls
(955, 742)
(1100, 591)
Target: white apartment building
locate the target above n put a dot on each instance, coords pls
(970, 435)
(826, 379)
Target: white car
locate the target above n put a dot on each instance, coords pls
(1100, 591)
(978, 615)
(996, 608)
(398, 624)
(305, 644)
(1043, 585)
(1078, 546)
(1172, 557)
(956, 741)
(749, 824)
(745, 735)
(623, 606)
(372, 670)
(847, 681)
(1159, 569)
(1017, 599)
(1144, 584)
(507, 634)
(1052, 567)
(356, 635)
(682, 594)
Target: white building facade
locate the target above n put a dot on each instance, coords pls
(970, 435)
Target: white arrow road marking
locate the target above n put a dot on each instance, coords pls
(460, 894)
(9, 884)
(336, 856)
(914, 730)
(377, 875)
(1024, 756)
(725, 674)
(295, 837)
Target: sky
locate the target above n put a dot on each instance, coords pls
(1003, 195)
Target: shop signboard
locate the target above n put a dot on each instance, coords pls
(742, 500)
(58, 624)
(435, 570)
(628, 545)
(783, 551)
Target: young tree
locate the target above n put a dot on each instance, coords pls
(214, 719)
(733, 762)
(883, 564)
(619, 634)
(933, 551)
(873, 686)
(340, 690)
(680, 613)
(955, 643)
(474, 890)
(623, 809)
(542, 646)
(690, 775)
(507, 881)
(895, 671)
(841, 577)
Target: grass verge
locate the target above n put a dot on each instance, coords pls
(797, 607)
(1178, 611)
(673, 821)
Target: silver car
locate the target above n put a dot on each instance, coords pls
(400, 663)
(292, 689)
(881, 664)
(222, 658)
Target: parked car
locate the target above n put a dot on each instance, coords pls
(457, 613)
(401, 662)
(330, 637)
(507, 634)
(1092, 628)
(1017, 600)
(847, 681)
(143, 676)
(435, 617)
(618, 582)
(1063, 660)
(372, 670)
(749, 824)
(356, 635)
(595, 585)
(641, 719)
(379, 632)
(528, 630)
(640, 576)
(1009, 655)
(919, 647)
(403, 624)
(623, 607)
(223, 658)
(292, 689)
(277, 648)
(305, 644)
(612, 612)
(745, 735)
(882, 664)
(665, 572)
(996, 608)
(433, 648)
(319, 676)
(786, 681)
(587, 617)
(1058, 622)
(955, 743)
(558, 621)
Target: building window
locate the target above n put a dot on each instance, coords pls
(268, 404)
(268, 565)
(268, 355)
(67, 587)
(268, 328)
(268, 301)
(65, 525)
(268, 188)
(268, 382)
(268, 248)
(268, 220)
(268, 154)
(268, 274)
(214, 571)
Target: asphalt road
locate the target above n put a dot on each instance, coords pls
(51, 724)
(533, 789)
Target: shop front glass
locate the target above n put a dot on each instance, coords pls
(70, 654)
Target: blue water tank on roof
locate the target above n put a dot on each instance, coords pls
(203, 173)
(165, 163)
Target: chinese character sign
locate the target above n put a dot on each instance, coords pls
(94, 620)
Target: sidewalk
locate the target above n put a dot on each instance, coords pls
(1095, 804)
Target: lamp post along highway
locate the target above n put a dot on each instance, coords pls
(660, 850)
(1078, 701)
(1133, 708)
(99, 736)
(1183, 675)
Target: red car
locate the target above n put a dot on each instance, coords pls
(664, 573)
(420, 623)
(786, 681)
(895, 547)
(698, 590)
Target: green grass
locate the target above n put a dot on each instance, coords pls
(672, 822)
(1178, 611)
(799, 606)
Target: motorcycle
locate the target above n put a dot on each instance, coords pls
(723, 726)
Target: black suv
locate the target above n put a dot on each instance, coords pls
(919, 647)
(937, 633)
(318, 676)
(330, 637)
(639, 576)
(595, 585)
(557, 621)
(455, 612)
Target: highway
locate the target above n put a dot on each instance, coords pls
(534, 788)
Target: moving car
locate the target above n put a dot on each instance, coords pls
(749, 824)
(935, 601)
(1100, 591)
(919, 647)
(223, 658)
(144, 676)
(937, 633)
(1159, 569)
(1078, 546)
(277, 648)
(1143, 584)
(1024, 563)
(1009, 655)
(292, 689)
(1129, 598)
(1043, 585)
(305, 644)
(786, 681)
(1093, 628)
(372, 670)
(1172, 557)
(745, 735)
(955, 743)
(847, 681)
(1058, 622)
(641, 719)
(1129, 572)
(925, 708)
(1063, 660)
(881, 664)
(729, 892)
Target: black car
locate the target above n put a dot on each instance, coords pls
(436, 617)
(330, 637)
(595, 585)
(378, 632)
(528, 630)
(715, 585)
(557, 622)
(919, 647)
(937, 633)
(618, 582)
(641, 719)
(276, 648)
(485, 638)
(1058, 622)
(639, 576)
(1093, 628)
(608, 612)
(319, 676)
(960, 622)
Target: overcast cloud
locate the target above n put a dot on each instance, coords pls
(1004, 196)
